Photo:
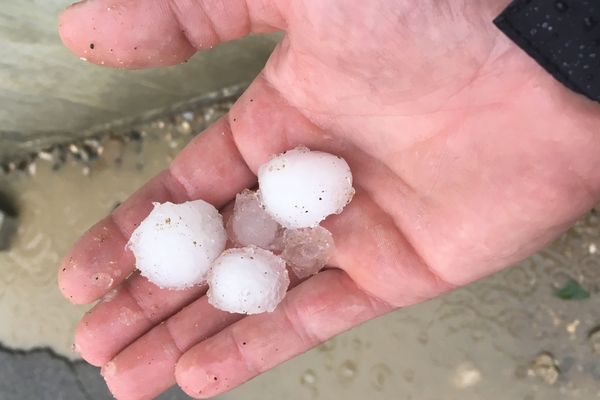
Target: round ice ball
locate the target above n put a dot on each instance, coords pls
(176, 244)
(300, 188)
(247, 280)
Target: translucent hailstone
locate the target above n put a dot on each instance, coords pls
(175, 245)
(247, 280)
(307, 250)
(251, 225)
(300, 188)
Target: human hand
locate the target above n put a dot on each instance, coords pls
(466, 158)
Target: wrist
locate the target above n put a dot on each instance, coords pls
(532, 88)
(552, 127)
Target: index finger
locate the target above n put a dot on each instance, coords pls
(210, 168)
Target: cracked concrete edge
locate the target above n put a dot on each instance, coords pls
(41, 350)
(40, 373)
(13, 148)
(22, 364)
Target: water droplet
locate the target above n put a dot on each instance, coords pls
(532, 31)
(347, 371)
(423, 338)
(589, 23)
(561, 6)
(409, 375)
(309, 378)
(521, 372)
(357, 344)
(466, 376)
(379, 374)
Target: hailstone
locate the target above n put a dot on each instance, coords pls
(300, 188)
(251, 225)
(307, 250)
(176, 244)
(247, 280)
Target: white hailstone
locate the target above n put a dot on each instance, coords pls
(247, 280)
(176, 244)
(300, 188)
(251, 225)
(307, 250)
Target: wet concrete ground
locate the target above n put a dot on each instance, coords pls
(42, 374)
(48, 94)
(527, 333)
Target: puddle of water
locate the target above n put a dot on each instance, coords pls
(484, 341)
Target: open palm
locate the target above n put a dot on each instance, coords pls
(467, 157)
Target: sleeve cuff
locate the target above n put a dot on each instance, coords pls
(563, 36)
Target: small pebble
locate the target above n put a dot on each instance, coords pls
(544, 367)
(594, 339)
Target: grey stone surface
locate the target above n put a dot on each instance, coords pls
(42, 375)
(48, 95)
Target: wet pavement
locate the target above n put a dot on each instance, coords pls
(530, 332)
(42, 374)
(48, 94)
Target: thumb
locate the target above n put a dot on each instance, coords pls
(153, 33)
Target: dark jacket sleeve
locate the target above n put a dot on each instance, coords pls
(563, 36)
